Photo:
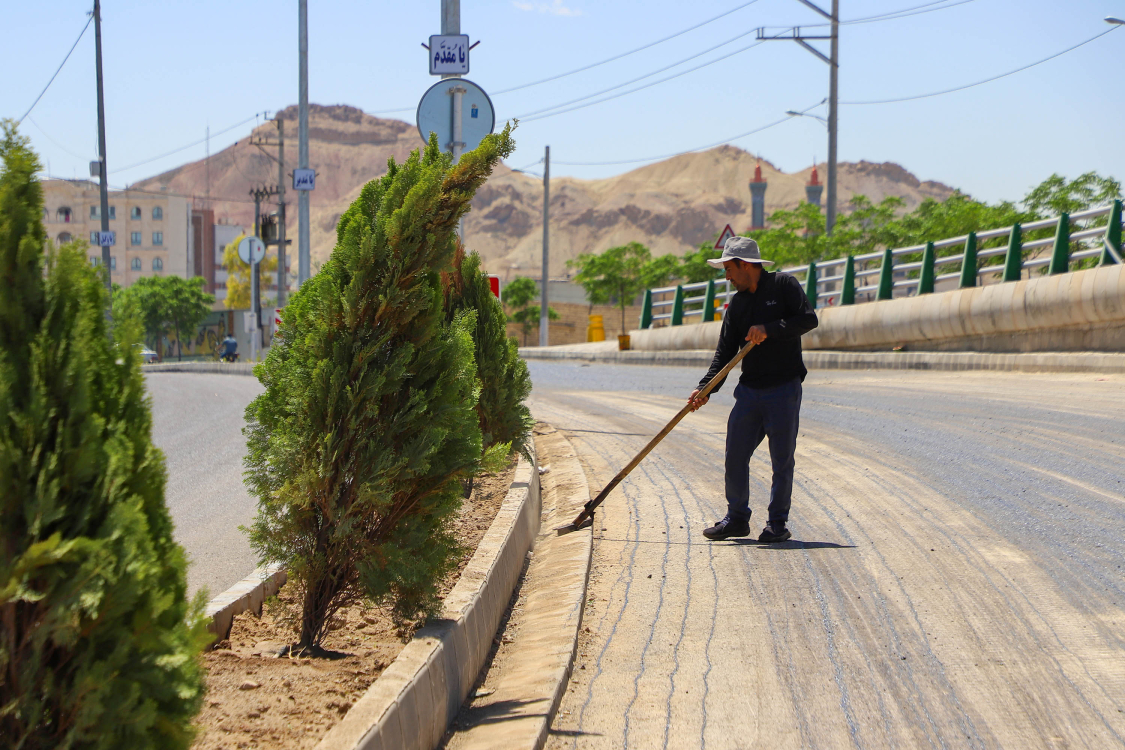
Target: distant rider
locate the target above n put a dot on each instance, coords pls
(230, 349)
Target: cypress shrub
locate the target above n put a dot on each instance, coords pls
(504, 380)
(98, 644)
(368, 422)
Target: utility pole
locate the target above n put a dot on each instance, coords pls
(282, 272)
(258, 194)
(544, 310)
(303, 260)
(103, 173)
(451, 26)
(833, 60)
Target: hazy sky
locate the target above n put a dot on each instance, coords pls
(172, 68)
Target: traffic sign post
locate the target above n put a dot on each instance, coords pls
(726, 235)
(449, 54)
(439, 109)
(304, 179)
(107, 239)
(251, 250)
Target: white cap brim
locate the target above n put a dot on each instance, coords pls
(718, 262)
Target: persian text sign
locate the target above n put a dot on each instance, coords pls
(304, 179)
(449, 55)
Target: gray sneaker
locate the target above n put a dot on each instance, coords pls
(727, 528)
(774, 533)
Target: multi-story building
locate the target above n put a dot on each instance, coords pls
(154, 231)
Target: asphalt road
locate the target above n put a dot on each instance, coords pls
(197, 420)
(955, 578)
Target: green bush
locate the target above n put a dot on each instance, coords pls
(368, 417)
(98, 645)
(504, 379)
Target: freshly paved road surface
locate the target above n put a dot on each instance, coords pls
(197, 420)
(955, 578)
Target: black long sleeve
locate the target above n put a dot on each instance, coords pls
(780, 305)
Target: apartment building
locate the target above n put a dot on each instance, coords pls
(154, 231)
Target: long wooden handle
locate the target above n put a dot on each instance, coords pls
(588, 509)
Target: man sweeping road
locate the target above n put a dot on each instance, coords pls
(772, 312)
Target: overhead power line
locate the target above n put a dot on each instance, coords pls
(986, 80)
(584, 68)
(44, 91)
(184, 148)
(756, 130)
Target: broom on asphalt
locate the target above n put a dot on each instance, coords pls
(586, 517)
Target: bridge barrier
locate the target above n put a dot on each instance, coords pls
(920, 269)
(1077, 311)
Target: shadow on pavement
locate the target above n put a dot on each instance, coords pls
(790, 544)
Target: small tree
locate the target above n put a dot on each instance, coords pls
(621, 273)
(167, 303)
(518, 296)
(98, 644)
(368, 420)
(504, 380)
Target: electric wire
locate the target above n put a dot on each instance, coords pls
(44, 91)
(599, 63)
(986, 80)
(893, 15)
(756, 130)
(52, 140)
(184, 148)
(638, 88)
(641, 78)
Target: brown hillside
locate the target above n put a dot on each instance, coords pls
(670, 206)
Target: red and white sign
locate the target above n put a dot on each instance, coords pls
(726, 235)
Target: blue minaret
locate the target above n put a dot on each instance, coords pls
(758, 200)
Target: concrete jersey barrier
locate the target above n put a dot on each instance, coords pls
(1078, 311)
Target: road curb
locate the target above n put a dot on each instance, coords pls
(419, 694)
(247, 594)
(1094, 362)
(528, 691)
(217, 368)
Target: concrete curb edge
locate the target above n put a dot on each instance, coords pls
(247, 594)
(1098, 362)
(417, 697)
(215, 368)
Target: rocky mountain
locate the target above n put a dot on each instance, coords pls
(671, 205)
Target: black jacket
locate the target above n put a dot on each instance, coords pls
(781, 306)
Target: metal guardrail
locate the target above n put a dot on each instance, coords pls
(904, 278)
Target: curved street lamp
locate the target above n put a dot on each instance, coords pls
(792, 113)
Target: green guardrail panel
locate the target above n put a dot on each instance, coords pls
(678, 307)
(886, 276)
(926, 277)
(1113, 235)
(847, 295)
(646, 310)
(969, 265)
(1013, 260)
(810, 284)
(709, 302)
(1060, 255)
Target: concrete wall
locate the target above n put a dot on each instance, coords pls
(1079, 311)
(570, 328)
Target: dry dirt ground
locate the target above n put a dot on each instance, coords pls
(255, 699)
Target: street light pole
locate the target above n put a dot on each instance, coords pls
(544, 309)
(833, 60)
(833, 70)
(303, 259)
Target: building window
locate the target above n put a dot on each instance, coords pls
(95, 260)
(96, 212)
(158, 238)
(113, 262)
(157, 213)
(135, 213)
(135, 238)
(46, 216)
(158, 264)
(136, 264)
(64, 237)
(63, 214)
(94, 237)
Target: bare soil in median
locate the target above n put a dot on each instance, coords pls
(256, 699)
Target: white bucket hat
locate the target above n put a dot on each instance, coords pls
(742, 248)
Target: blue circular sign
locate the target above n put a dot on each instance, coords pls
(435, 114)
